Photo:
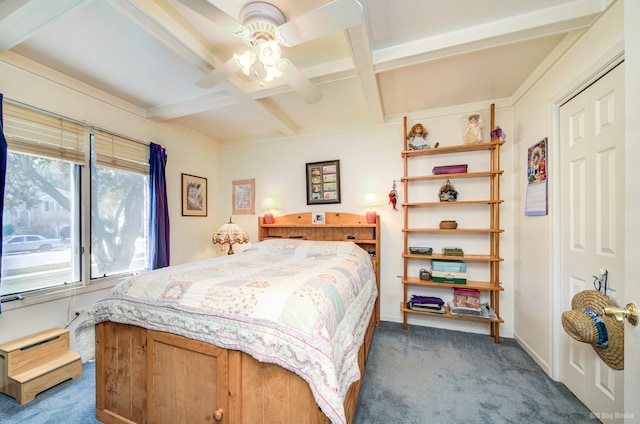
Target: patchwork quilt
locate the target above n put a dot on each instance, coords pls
(303, 305)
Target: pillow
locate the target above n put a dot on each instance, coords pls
(305, 248)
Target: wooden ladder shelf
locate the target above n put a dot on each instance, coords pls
(36, 363)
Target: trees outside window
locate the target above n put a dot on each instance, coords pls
(47, 162)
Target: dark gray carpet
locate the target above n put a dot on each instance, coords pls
(422, 375)
(428, 375)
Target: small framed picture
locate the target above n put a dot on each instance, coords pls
(194, 195)
(243, 197)
(323, 182)
(317, 218)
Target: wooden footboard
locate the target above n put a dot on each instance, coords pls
(145, 376)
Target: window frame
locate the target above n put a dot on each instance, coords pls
(82, 215)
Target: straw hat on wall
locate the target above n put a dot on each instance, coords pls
(587, 323)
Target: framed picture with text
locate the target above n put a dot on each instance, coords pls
(243, 197)
(323, 182)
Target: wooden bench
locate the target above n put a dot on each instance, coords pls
(36, 363)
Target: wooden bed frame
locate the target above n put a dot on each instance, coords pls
(146, 376)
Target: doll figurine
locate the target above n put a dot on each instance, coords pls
(473, 133)
(417, 138)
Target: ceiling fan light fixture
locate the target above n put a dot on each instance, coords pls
(261, 19)
(272, 73)
(245, 61)
(265, 29)
(269, 53)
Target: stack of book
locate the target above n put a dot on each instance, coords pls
(452, 251)
(466, 302)
(466, 298)
(451, 272)
(427, 304)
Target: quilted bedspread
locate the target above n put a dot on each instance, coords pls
(303, 305)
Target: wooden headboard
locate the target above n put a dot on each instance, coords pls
(338, 226)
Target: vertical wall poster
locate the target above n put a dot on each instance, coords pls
(243, 196)
(537, 202)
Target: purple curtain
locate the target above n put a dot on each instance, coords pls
(3, 175)
(159, 220)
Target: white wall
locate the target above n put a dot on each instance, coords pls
(370, 160)
(188, 152)
(537, 317)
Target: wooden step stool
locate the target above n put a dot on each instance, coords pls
(36, 363)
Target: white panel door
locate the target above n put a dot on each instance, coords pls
(592, 223)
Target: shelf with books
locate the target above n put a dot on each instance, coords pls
(418, 211)
(448, 314)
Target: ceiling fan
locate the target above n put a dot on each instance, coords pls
(264, 28)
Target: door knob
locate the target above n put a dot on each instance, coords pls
(630, 312)
(218, 414)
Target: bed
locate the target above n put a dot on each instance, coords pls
(276, 334)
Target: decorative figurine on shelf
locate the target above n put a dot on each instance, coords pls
(473, 132)
(498, 134)
(448, 192)
(393, 196)
(417, 138)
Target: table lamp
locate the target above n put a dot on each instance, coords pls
(267, 204)
(229, 233)
(371, 200)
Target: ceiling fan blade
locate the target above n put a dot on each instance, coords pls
(299, 82)
(219, 74)
(217, 16)
(335, 16)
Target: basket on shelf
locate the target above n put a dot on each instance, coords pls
(448, 225)
(448, 192)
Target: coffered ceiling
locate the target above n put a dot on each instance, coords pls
(401, 56)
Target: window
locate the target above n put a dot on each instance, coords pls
(119, 179)
(55, 166)
(37, 250)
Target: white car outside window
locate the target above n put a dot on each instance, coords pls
(29, 243)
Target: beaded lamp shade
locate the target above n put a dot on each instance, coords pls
(230, 233)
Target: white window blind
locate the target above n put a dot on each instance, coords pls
(33, 132)
(114, 151)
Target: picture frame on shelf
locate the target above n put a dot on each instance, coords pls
(323, 182)
(194, 195)
(318, 218)
(243, 193)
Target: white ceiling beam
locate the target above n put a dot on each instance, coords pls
(324, 73)
(164, 22)
(21, 19)
(220, 99)
(360, 47)
(541, 23)
(213, 100)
